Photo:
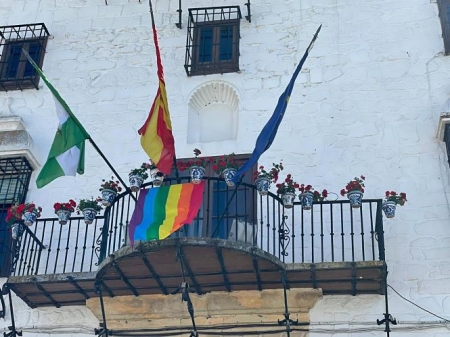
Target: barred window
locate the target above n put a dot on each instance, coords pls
(16, 73)
(213, 40)
(15, 174)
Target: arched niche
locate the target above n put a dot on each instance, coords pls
(213, 113)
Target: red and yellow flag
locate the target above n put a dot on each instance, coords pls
(156, 133)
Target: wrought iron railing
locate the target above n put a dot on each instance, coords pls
(331, 231)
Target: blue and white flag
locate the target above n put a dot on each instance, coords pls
(269, 131)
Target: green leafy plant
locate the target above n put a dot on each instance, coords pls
(110, 185)
(67, 206)
(357, 184)
(183, 165)
(399, 198)
(141, 171)
(317, 196)
(89, 203)
(271, 174)
(288, 185)
(225, 162)
(16, 211)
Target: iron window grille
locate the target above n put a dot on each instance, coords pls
(15, 174)
(16, 73)
(444, 15)
(212, 45)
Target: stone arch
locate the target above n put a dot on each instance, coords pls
(213, 113)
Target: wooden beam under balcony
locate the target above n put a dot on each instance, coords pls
(207, 265)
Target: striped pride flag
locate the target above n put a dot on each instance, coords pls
(163, 210)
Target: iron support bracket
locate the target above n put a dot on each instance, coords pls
(249, 15)
(12, 328)
(103, 330)
(178, 24)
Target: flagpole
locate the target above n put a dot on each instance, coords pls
(110, 166)
(158, 56)
(75, 119)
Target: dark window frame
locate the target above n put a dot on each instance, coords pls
(217, 20)
(444, 16)
(16, 73)
(215, 65)
(15, 176)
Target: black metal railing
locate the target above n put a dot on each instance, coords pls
(331, 231)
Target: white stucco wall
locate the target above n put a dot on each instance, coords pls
(367, 102)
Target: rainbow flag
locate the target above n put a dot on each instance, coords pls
(163, 210)
(156, 133)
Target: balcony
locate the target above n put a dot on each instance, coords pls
(238, 241)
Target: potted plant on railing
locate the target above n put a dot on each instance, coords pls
(156, 176)
(354, 191)
(20, 214)
(64, 210)
(195, 166)
(137, 176)
(264, 178)
(308, 196)
(28, 212)
(109, 190)
(226, 166)
(89, 208)
(392, 199)
(287, 191)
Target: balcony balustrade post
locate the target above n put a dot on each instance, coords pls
(104, 236)
(379, 230)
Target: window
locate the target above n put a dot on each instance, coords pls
(222, 206)
(444, 14)
(16, 73)
(15, 176)
(213, 40)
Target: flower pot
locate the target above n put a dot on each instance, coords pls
(288, 199)
(63, 216)
(228, 175)
(307, 200)
(355, 198)
(29, 218)
(157, 177)
(89, 215)
(108, 197)
(135, 181)
(262, 185)
(197, 173)
(388, 208)
(16, 230)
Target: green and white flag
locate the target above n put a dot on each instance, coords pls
(66, 156)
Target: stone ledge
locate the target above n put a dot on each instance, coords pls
(15, 141)
(158, 311)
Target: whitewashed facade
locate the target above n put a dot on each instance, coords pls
(367, 101)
